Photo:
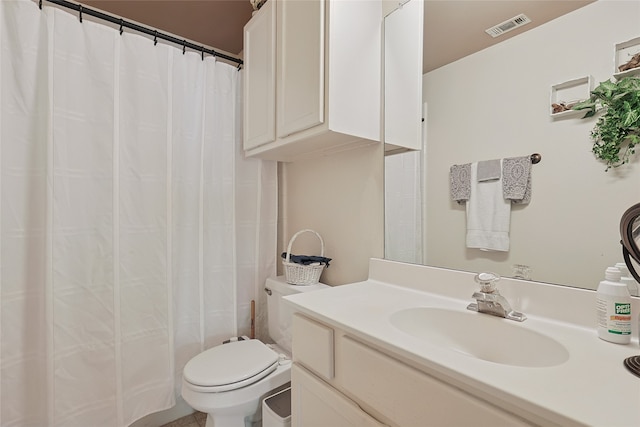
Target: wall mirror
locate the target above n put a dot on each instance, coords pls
(495, 103)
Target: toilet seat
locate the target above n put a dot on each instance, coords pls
(230, 366)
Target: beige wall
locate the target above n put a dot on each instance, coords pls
(340, 197)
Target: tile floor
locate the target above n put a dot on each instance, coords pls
(198, 419)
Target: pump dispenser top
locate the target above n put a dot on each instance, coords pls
(627, 279)
(613, 274)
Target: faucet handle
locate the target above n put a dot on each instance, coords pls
(487, 281)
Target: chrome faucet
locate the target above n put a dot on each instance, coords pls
(489, 300)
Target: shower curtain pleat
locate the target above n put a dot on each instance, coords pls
(86, 339)
(187, 128)
(133, 232)
(218, 187)
(24, 118)
(143, 224)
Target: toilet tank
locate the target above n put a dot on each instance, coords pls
(279, 314)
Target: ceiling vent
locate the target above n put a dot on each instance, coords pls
(508, 25)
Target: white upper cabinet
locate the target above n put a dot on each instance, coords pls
(403, 30)
(260, 78)
(300, 73)
(317, 89)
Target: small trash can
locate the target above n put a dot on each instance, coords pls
(276, 409)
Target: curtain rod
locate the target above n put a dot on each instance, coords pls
(155, 33)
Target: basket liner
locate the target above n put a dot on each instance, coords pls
(307, 259)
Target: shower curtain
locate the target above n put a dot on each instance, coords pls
(133, 234)
(403, 231)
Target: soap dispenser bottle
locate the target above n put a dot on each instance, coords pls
(627, 279)
(613, 304)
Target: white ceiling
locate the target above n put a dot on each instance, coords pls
(453, 28)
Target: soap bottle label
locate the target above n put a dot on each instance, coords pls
(614, 317)
(623, 308)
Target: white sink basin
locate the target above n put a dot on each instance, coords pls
(481, 336)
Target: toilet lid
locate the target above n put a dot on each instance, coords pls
(230, 363)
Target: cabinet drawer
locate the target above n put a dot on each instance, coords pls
(407, 396)
(315, 404)
(313, 346)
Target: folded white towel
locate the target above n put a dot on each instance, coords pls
(488, 215)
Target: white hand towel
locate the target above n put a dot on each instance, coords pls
(488, 215)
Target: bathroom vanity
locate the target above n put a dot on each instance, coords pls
(401, 349)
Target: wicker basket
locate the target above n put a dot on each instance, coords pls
(299, 274)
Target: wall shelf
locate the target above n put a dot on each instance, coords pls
(624, 52)
(569, 93)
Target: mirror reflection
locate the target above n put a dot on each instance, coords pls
(495, 104)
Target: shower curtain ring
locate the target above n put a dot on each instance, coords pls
(121, 25)
(202, 52)
(155, 37)
(184, 46)
(80, 13)
(40, 4)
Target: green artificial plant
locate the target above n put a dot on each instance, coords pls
(617, 130)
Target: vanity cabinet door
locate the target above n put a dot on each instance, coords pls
(315, 404)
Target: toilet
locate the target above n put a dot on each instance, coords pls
(229, 381)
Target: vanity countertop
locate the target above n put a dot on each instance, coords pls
(591, 388)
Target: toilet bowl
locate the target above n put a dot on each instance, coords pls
(241, 374)
(229, 381)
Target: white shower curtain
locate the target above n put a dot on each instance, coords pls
(403, 231)
(133, 234)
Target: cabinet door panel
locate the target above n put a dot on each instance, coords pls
(403, 76)
(300, 40)
(313, 343)
(260, 78)
(315, 404)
